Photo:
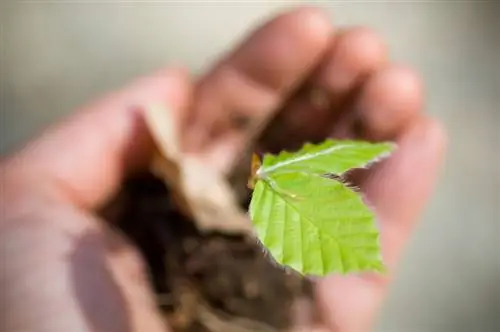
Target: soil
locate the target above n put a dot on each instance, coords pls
(207, 282)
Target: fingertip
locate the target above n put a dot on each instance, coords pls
(389, 101)
(317, 20)
(280, 52)
(170, 85)
(426, 132)
(357, 52)
(400, 186)
(437, 134)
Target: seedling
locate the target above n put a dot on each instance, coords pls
(311, 223)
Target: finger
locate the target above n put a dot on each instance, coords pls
(251, 82)
(358, 53)
(85, 157)
(353, 55)
(389, 100)
(398, 189)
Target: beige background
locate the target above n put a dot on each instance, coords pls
(55, 57)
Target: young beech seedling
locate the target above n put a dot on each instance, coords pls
(311, 223)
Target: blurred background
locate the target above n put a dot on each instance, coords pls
(57, 55)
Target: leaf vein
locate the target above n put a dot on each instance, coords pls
(304, 157)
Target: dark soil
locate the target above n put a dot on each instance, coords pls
(206, 282)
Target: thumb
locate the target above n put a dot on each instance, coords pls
(86, 156)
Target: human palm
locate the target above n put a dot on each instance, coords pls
(64, 271)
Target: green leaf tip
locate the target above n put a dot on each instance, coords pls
(313, 224)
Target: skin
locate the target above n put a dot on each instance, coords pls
(62, 268)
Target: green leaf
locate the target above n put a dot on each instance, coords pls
(331, 156)
(326, 228)
(311, 223)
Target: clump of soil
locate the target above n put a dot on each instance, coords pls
(206, 282)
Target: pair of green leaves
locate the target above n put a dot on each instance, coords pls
(309, 222)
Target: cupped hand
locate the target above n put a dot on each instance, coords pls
(63, 271)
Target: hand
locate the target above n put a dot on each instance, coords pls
(63, 272)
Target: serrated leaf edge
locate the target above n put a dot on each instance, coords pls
(342, 269)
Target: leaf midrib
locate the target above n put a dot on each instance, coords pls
(304, 157)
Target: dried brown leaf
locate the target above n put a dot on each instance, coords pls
(200, 191)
